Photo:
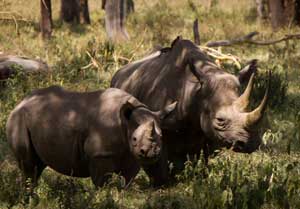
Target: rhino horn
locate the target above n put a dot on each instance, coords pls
(255, 115)
(153, 131)
(243, 101)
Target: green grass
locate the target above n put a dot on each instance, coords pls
(269, 178)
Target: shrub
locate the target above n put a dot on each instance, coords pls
(169, 201)
(253, 181)
(11, 189)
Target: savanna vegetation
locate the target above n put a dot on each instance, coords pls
(82, 59)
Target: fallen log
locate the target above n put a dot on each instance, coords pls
(248, 39)
(9, 64)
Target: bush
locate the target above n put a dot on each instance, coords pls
(11, 189)
(249, 181)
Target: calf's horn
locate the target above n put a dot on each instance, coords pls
(243, 101)
(152, 128)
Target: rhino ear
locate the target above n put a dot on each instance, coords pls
(126, 111)
(245, 74)
(166, 111)
(178, 38)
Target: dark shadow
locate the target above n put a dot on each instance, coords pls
(58, 24)
(78, 28)
(170, 200)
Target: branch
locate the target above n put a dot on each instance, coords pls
(219, 56)
(196, 32)
(19, 20)
(13, 18)
(248, 40)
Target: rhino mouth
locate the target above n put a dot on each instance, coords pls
(241, 142)
(150, 159)
(241, 146)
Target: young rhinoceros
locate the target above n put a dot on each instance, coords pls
(84, 134)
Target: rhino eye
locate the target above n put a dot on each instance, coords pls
(134, 139)
(221, 122)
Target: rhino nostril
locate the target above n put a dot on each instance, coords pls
(143, 152)
(240, 145)
(220, 120)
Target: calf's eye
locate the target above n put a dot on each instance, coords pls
(220, 120)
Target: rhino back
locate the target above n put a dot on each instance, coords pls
(161, 80)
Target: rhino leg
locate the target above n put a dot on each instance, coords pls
(101, 169)
(130, 170)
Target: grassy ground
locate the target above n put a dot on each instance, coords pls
(269, 178)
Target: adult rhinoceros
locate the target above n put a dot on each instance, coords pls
(84, 134)
(210, 112)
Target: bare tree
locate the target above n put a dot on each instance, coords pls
(297, 14)
(72, 11)
(281, 12)
(261, 9)
(76, 11)
(277, 16)
(69, 11)
(46, 19)
(84, 12)
(116, 12)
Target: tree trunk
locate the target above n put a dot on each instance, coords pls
(292, 11)
(297, 12)
(129, 6)
(261, 10)
(103, 4)
(70, 11)
(196, 32)
(84, 12)
(289, 11)
(277, 14)
(115, 17)
(284, 12)
(46, 19)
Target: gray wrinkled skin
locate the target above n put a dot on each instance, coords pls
(84, 134)
(209, 113)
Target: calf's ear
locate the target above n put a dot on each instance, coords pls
(167, 111)
(178, 38)
(245, 74)
(126, 111)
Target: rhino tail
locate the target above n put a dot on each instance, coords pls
(18, 137)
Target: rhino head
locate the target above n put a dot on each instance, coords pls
(143, 129)
(224, 116)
